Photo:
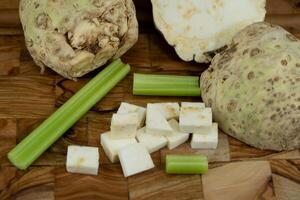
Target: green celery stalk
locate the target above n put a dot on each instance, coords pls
(166, 85)
(150, 80)
(37, 142)
(186, 164)
(168, 91)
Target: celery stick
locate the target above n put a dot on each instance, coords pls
(29, 149)
(186, 164)
(166, 85)
(152, 80)
(168, 91)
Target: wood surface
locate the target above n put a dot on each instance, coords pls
(27, 98)
(249, 177)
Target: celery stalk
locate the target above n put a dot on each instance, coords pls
(193, 91)
(166, 85)
(149, 80)
(186, 164)
(37, 142)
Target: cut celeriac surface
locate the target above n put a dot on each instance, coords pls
(177, 137)
(150, 141)
(197, 27)
(124, 126)
(82, 159)
(134, 159)
(126, 108)
(112, 146)
(193, 118)
(156, 123)
(205, 138)
(192, 104)
(168, 110)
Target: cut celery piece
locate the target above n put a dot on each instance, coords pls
(166, 85)
(37, 142)
(149, 80)
(186, 164)
(180, 92)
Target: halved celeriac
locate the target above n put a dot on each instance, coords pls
(197, 27)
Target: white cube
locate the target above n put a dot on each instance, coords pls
(134, 159)
(124, 126)
(178, 137)
(192, 104)
(168, 110)
(111, 146)
(151, 142)
(156, 123)
(82, 160)
(126, 108)
(193, 118)
(206, 138)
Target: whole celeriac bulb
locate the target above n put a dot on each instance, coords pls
(253, 87)
(74, 37)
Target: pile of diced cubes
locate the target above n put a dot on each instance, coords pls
(131, 143)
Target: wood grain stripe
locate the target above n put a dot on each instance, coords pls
(285, 189)
(30, 96)
(109, 184)
(36, 181)
(286, 168)
(155, 185)
(8, 133)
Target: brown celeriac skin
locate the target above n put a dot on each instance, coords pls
(253, 88)
(74, 37)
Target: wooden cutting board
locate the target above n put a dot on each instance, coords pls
(237, 171)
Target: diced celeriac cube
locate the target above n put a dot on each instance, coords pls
(152, 142)
(177, 138)
(111, 146)
(206, 138)
(193, 118)
(192, 104)
(134, 159)
(156, 123)
(168, 110)
(82, 160)
(124, 126)
(126, 108)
